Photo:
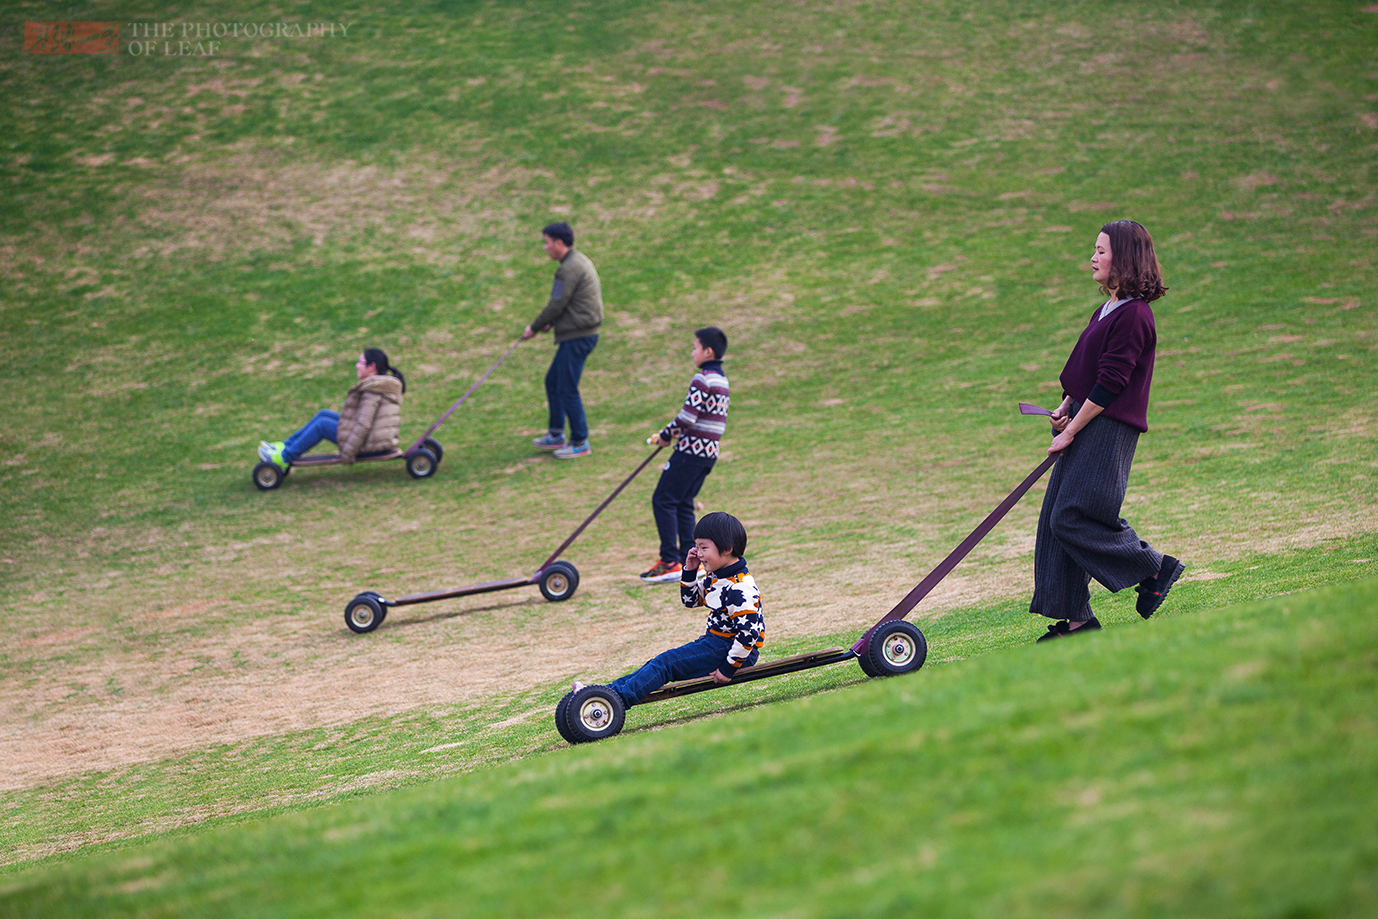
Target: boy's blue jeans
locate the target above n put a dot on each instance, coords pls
(700, 657)
(325, 426)
(562, 388)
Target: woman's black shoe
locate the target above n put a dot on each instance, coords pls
(1062, 628)
(1152, 591)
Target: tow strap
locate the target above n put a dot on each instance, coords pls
(479, 382)
(935, 576)
(598, 510)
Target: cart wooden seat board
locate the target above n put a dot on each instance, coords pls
(332, 459)
(756, 672)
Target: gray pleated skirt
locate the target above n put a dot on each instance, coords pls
(1081, 534)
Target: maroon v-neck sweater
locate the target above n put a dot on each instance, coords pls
(1112, 364)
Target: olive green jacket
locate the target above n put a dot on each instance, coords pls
(575, 309)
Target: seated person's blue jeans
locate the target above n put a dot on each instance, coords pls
(699, 658)
(325, 426)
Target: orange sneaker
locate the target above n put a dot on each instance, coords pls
(662, 572)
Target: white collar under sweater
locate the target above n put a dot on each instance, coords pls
(1112, 305)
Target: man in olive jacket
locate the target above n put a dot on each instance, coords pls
(575, 311)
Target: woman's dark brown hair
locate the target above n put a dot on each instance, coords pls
(379, 359)
(1134, 270)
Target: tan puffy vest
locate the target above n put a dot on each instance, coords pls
(371, 418)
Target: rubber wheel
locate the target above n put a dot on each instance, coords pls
(422, 464)
(593, 713)
(897, 647)
(433, 445)
(268, 476)
(560, 724)
(365, 612)
(865, 661)
(559, 581)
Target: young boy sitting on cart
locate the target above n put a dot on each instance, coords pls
(735, 630)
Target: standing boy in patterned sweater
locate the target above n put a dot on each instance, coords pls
(735, 630)
(699, 427)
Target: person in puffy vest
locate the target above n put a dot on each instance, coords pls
(369, 422)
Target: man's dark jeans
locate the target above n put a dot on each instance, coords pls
(700, 657)
(673, 505)
(562, 388)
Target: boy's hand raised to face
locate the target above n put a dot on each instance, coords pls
(691, 560)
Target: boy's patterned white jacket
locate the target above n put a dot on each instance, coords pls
(734, 609)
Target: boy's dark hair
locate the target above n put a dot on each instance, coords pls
(1134, 270)
(561, 231)
(713, 338)
(725, 531)
(379, 359)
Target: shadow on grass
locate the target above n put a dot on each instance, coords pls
(772, 697)
(764, 699)
(307, 477)
(455, 614)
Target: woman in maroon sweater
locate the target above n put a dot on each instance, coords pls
(1104, 409)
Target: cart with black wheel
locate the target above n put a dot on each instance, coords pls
(422, 457)
(557, 579)
(891, 647)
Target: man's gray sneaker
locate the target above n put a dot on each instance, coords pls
(549, 442)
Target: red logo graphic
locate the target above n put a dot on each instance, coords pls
(71, 37)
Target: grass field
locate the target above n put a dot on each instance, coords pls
(1213, 765)
(887, 206)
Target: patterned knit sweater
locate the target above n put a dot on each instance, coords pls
(734, 609)
(703, 419)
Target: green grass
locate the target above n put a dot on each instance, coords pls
(887, 206)
(220, 333)
(1207, 765)
(329, 764)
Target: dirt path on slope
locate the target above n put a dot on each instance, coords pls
(132, 701)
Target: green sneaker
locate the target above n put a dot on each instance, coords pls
(272, 453)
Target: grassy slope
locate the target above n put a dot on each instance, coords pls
(914, 255)
(915, 300)
(225, 782)
(1211, 765)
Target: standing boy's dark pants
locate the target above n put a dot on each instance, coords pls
(562, 388)
(1080, 532)
(673, 504)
